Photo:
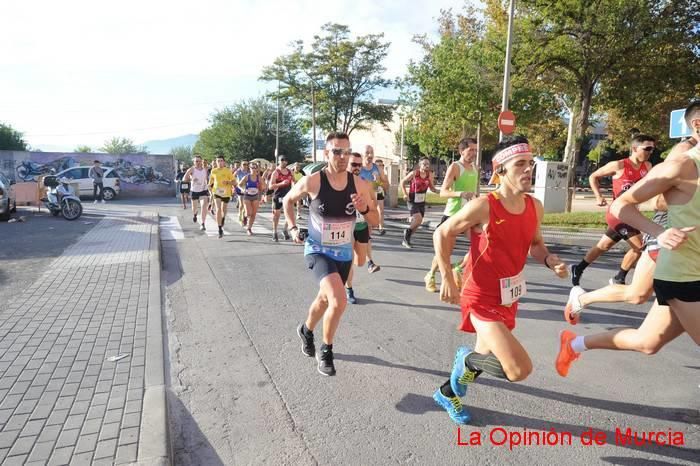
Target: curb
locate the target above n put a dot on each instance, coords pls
(154, 433)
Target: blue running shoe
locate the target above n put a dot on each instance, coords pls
(453, 406)
(461, 375)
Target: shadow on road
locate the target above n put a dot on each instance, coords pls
(190, 446)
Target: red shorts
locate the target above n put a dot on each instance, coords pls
(487, 313)
(654, 254)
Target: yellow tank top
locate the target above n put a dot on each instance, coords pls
(219, 175)
(683, 264)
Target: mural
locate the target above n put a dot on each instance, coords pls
(140, 174)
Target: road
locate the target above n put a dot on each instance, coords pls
(242, 392)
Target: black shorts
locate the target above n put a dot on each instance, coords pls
(620, 232)
(225, 200)
(417, 208)
(362, 236)
(380, 196)
(269, 192)
(184, 188)
(277, 201)
(197, 195)
(688, 292)
(322, 266)
(443, 220)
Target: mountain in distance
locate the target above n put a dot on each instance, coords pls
(163, 146)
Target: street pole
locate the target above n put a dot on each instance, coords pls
(506, 72)
(478, 153)
(277, 132)
(401, 148)
(313, 120)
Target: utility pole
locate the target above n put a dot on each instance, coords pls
(313, 120)
(506, 72)
(277, 132)
(401, 148)
(478, 152)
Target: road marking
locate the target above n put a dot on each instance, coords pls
(170, 229)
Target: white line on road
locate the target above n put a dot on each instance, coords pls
(170, 229)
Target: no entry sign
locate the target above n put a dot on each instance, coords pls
(506, 122)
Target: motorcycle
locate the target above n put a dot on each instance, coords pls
(60, 198)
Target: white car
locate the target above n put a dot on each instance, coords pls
(80, 175)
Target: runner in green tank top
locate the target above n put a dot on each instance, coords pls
(459, 187)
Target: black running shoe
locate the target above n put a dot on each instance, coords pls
(325, 362)
(575, 276)
(221, 232)
(286, 234)
(194, 218)
(616, 280)
(275, 238)
(307, 342)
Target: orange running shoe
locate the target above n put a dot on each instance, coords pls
(566, 354)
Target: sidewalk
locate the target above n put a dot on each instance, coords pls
(61, 400)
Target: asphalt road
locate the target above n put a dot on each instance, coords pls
(242, 392)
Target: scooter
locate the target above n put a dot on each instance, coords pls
(60, 198)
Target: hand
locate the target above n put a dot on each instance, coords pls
(449, 293)
(359, 202)
(557, 265)
(673, 238)
(467, 195)
(600, 201)
(295, 236)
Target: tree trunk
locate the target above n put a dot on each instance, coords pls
(579, 124)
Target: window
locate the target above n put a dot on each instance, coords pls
(73, 174)
(112, 174)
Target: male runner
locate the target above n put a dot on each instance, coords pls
(504, 228)
(336, 195)
(460, 183)
(221, 182)
(199, 177)
(281, 181)
(420, 181)
(677, 274)
(370, 172)
(298, 175)
(625, 173)
(361, 244)
(184, 187)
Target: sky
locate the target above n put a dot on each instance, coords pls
(79, 72)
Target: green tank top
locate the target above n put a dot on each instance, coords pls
(466, 181)
(683, 264)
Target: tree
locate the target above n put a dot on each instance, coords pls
(342, 73)
(183, 154)
(118, 145)
(83, 149)
(583, 49)
(11, 139)
(247, 130)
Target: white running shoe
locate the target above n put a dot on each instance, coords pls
(573, 308)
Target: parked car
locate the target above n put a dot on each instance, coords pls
(8, 199)
(80, 175)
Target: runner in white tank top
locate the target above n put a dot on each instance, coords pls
(199, 178)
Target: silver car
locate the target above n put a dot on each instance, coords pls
(8, 199)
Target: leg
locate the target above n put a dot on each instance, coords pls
(380, 209)
(360, 253)
(254, 211)
(348, 282)
(275, 218)
(333, 288)
(637, 292)
(219, 216)
(495, 338)
(688, 313)
(94, 191)
(195, 203)
(604, 245)
(224, 208)
(204, 201)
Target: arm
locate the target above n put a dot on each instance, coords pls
(243, 181)
(188, 175)
(539, 251)
(609, 169)
(299, 190)
(384, 180)
(473, 214)
(446, 188)
(365, 201)
(432, 183)
(406, 179)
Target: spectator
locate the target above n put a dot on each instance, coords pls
(97, 174)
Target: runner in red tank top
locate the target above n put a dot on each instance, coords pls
(421, 180)
(504, 228)
(625, 174)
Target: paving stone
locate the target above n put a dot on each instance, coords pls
(7, 438)
(109, 431)
(22, 446)
(129, 435)
(58, 417)
(32, 428)
(41, 452)
(105, 449)
(86, 443)
(68, 438)
(49, 434)
(126, 454)
(61, 456)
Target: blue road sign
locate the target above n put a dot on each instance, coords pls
(678, 128)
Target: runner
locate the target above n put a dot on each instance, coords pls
(241, 173)
(298, 175)
(372, 173)
(677, 275)
(221, 182)
(420, 179)
(504, 227)
(281, 181)
(252, 185)
(361, 244)
(460, 183)
(184, 186)
(198, 176)
(266, 176)
(336, 195)
(625, 173)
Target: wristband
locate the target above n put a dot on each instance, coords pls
(365, 212)
(545, 261)
(293, 228)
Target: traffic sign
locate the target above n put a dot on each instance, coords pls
(677, 126)
(506, 122)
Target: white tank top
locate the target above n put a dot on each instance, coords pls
(199, 180)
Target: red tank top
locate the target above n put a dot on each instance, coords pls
(279, 177)
(630, 175)
(499, 251)
(418, 184)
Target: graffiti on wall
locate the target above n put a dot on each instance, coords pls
(140, 174)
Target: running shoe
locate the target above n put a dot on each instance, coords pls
(575, 275)
(245, 221)
(194, 218)
(616, 281)
(372, 267)
(566, 354)
(325, 362)
(221, 232)
(381, 232)
(430, 282)
(351, 295)
(573, 308)
(286, 235)
(453, 406)
(275, 238)
(249, 232)
(461, 375)
(203, 228)
(406, 244)
(307, 342)
(298, 216)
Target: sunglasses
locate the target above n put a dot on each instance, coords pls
(648, 148)
(356, 165)
(339, 152)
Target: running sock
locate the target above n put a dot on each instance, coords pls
(446, 389)
(485, 363)
(581, 266)
(578, 344)
(325, 347)
(622, 274)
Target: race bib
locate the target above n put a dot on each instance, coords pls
(220, 191)
(418, 197)
(336, 234)
(380, 190)
(251, 191)
(512, 289)
(185, 185)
